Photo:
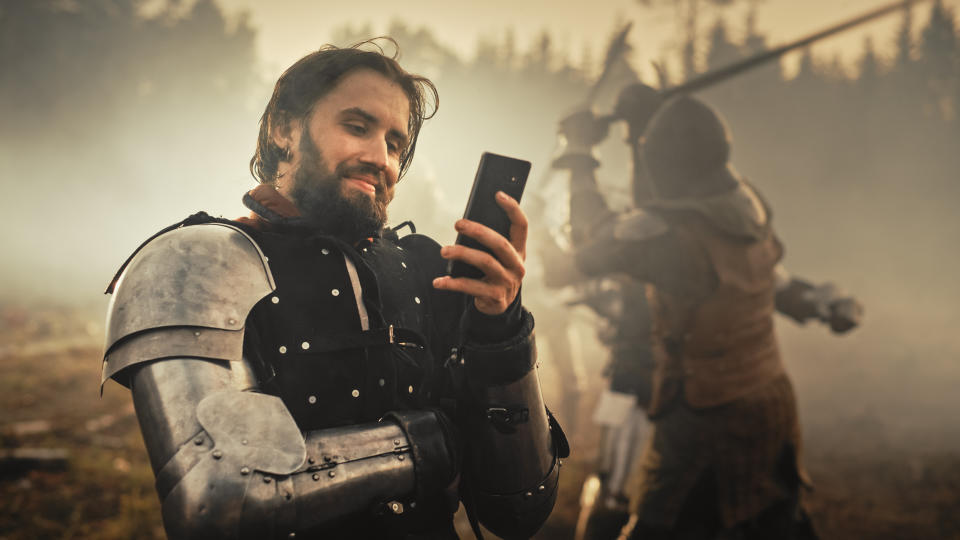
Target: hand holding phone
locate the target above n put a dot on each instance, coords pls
(487, 259)
(495, 173)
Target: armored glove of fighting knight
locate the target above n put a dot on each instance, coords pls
(579, 133)
(827, 303)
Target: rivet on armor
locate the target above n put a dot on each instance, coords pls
(196, 334)
(292, 535)
(355, 393)
(267, 479)
(335, 292)
(316, 476)
(232, 321)
(311, 399)
(382, 382)
(528, 494)
(396, 507)
(283, 349)
(217, 454)
(364, 250)
(541, 488)
(560, 461)
(311, 461)
(244, 442)
(396, 442)
(275, 300)
(305, 345)
(413, 504)
(332, 474)
(403, 264)
(400, 457)
(325, 251)
(410, 389)
(244, 470)
(416, 299)
(198, 441)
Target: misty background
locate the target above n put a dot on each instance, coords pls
(119, 117)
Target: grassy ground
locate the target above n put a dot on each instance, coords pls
(106, 489)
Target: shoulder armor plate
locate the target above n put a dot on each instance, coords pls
(639, 225)
(200, 281)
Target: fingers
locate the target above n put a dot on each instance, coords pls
(481, 260)
(503, 250)
(489, 298)
(472, 287)
(503, 270)
(518, 223)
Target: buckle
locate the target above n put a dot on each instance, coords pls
(504, 418)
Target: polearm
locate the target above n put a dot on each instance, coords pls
(713, 77)
(615, 51)
(618, 46)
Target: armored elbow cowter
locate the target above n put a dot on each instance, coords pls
(231, 462)
(514, 445)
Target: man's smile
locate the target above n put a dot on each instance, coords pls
(365, 183)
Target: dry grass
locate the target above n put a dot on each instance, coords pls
(866, 488)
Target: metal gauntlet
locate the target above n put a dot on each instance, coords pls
(513, 444)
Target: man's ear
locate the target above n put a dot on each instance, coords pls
(285, 134)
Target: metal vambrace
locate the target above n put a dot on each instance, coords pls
(513, 445)
(231, 463)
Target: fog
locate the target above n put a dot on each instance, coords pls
(116, 124)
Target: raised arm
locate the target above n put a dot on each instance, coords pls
(580, 132)
(230, 462)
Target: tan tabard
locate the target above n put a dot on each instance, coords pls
(721, 347)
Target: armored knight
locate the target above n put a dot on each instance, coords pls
(724, 453)
(306, 372)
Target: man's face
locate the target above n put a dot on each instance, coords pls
(346, 156)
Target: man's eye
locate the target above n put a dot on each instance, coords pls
(393, 148)
(358, 129)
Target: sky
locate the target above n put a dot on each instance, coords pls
(290, 28)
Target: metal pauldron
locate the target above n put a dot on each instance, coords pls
(187, 293)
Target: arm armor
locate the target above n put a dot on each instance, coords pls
(513, 442)
(801, 301)
(230, 462)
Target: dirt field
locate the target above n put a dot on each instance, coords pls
(873, 479)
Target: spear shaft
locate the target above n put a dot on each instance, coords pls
(713, 77)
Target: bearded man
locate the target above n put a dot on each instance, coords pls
(305, 371)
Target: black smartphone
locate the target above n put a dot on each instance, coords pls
(495, 173)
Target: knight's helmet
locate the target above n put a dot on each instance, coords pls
(636, 105)
(686, 151)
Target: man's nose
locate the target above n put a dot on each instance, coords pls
(375, 153)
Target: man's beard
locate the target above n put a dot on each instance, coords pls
(319, 195)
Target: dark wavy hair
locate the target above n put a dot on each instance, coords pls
(314, 75)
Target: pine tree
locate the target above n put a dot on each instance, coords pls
(722, 51)
(869, 68)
